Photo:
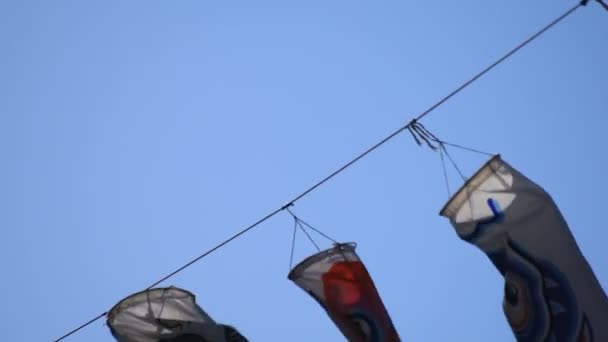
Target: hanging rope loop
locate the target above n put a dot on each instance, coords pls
(421, 133)
(304, 227)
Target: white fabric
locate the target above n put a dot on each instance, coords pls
(308, 273)
(155, 314)
(551, 293)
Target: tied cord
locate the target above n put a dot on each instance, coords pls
(302, 225)
(421, 133)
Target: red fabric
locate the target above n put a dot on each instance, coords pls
(349, 289)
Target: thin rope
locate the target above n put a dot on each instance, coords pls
(420, 132)
(467, 148)
(353, 161)
(301, 223)
(454, 163)
(317, 231)
(308, 236)
(445, 173)
(423, 131)
(425, 134)
(414, 135)
(293, 243)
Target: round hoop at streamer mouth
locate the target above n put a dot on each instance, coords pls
(338, 280)
(166, 314)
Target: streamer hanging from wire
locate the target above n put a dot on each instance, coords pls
(350, 163)
(550, 291)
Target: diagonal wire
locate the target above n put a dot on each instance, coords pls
(82, 326)
(225, 242)
(353, 161)
(502, 59)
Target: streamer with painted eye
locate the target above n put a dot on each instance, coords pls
(550, 291)
(338, 280)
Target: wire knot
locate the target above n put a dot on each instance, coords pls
(287, 206)
(420, 134)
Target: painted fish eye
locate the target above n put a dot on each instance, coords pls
(511, 293)
(366, 325)
(515, 303)
(363, 325)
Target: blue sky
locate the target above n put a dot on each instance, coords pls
(136, 135)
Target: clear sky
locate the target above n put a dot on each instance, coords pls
(135, 135)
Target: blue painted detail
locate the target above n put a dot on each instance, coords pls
(494, 206)
(543, 289)
(541, 303)
(483, 225)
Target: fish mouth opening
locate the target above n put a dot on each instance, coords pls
(338, 248)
